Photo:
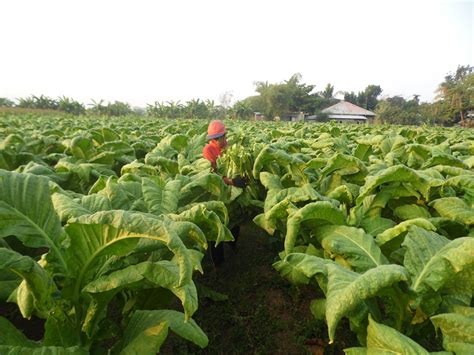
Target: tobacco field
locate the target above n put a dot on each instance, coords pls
(105, 225)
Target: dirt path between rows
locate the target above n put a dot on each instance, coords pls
(263, 314)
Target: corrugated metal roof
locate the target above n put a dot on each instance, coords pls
(346, 108)
(347, 117)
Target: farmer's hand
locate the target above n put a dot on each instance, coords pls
(240, 181)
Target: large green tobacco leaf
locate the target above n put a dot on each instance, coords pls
(376, 225)
(347, 289)
(97, 237)
(166, 165)
(146, 275)
(217, 207)
(161, 197)
(42, 170)
(458, 331)
(139, 169)
(406, 212)
(144, 337)
(117, 149)
(371, 207)
(278, 213)
(84, 171)
(398, 173)
(9, 281)
(449, 228)
(433, 260)
(178, 142)
(36, 289)
(357, 248)
(41, 350)
(452, 170)
(142, 326)
(294, 195)
(271, 182)
(82, 148)
(343, 165)
(10, 335)
(455, 209)
(417, 154)
(392, 144)
(299, 268)
(363, 151)
(402, 227)
(421, 246)
(119, 197)
(205, 186)
(464, 182)
(342, 194)
(445, 160)
(26, 211)
(96, 203)
(321, 212)
(208, 221)
(66, 207)
(12, 140)
(271, 155)
(8, 159)
(469, 162)
(382, 339)
(104, 134)
(280, 204)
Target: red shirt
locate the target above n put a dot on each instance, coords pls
(211, 152)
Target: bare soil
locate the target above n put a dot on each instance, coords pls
(264, 314)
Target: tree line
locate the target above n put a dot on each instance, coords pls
(454, 100)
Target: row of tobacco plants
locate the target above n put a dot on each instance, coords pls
(380, 220)
(100, 217)
(103, 227)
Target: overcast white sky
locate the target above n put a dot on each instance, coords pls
(145, 51)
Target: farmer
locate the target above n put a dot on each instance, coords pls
(216, 135)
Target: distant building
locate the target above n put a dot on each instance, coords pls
(293, 116)
(345, 111)
(259, 116)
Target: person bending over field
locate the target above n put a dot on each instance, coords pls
(216, 135)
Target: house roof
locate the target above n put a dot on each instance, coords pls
(346, 108)
(347, 117)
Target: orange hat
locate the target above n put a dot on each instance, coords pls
(216, 129)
